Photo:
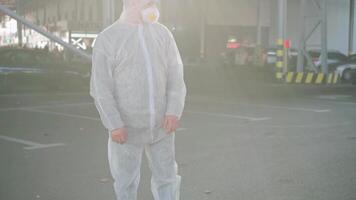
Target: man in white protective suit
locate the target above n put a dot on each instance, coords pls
(138, 88)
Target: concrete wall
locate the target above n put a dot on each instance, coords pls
(237, 12)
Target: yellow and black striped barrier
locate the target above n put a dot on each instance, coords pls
(280, 59)
(311, 78)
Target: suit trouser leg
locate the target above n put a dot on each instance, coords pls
(125, 164)
(165, 181)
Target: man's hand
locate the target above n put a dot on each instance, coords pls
(119, 135)
(170, 123)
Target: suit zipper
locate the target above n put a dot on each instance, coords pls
(148, 65)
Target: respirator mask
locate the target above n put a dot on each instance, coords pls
(150, 14)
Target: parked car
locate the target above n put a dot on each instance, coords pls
(271, 57)
(348, 69)
(335, 59)
(337, 62)
(35, 68)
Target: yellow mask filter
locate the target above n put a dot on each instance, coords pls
(150, 14)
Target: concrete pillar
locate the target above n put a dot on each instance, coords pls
(301, 44)
(258, 24)
(324, 37)
(281, 64)
(202, 28)
(351, 26)
(108, 12)
(19, 24)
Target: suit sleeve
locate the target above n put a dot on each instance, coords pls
(102, 90)
(176, 88)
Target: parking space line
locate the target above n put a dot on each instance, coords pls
(333, 97)
(181, 129)
(44, 94)
(284, 107)
(43, 146)
(291, 108)
(30, 145)
(268, 106)
(338, 102)
(229, 115)
(329, 103)
(45, 106)
(286, 126)
(60, 114)
(62, 105)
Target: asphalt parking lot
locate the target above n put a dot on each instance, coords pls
(237, 140)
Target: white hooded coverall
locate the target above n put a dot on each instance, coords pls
(137, 79)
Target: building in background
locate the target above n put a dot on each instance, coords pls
(8, 31)
(237, 20)
(8, 27)
(338, 13)
(78, 22)
(75, 21)
(202, 28)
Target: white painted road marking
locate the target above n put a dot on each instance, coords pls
(284, 107)
(61, 114)
(45, 94)
(291, 108)
(42, 146)
(31, 145)
(339, 102)
(181, 129)
(45, 106)
(263, 105)
(286, 126)
(333, 97)
(67, 115)
(229, 115)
